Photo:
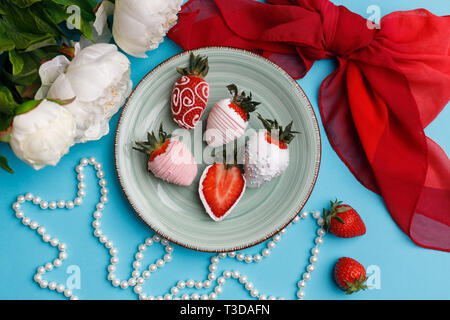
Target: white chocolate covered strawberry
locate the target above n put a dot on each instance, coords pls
(228, 118)
(267, 153)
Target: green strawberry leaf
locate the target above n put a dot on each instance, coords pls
(4, 164)
(27, 106)
(24, 3)
(16, 62)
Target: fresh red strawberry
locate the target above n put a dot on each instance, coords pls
(228, 118)
(350, 275)
(343, 221)
(190, 93)
(267, 153)
(168, 159)
(220, 189)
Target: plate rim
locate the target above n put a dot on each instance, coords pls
(271, 234)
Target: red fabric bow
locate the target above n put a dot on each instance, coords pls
(391, 82)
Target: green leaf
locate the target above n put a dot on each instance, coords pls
(27, 106)
(24, 3)
(7, 102)
(16, 62)
(4, 164)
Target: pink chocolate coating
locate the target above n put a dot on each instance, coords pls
(176, 165)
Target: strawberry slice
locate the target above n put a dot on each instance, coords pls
(221, 187)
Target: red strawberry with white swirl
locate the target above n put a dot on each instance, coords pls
(190, 93)
(228, 118)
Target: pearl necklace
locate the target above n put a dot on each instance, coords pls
(138, 278)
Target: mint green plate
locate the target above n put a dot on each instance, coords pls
(176, 212)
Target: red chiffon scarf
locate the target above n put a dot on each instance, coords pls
(391, 82)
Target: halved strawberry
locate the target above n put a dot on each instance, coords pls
(221, 187)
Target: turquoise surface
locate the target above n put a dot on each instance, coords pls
(401, 269)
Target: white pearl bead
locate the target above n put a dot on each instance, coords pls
(242, 279)
(52, 205)
(240, 256)
(206, 284)
(96, 224)
(62, 255)
(212, 276)
(199, 284)
(257, 257)
(104, 199)
(19, 214)
(73, 298)
(81, 177)
(306, 276)
(321, 232)
(77, 201)
(104, 191)
(61, 204)
(79, 168)
(318, 240)
(137, 289)
(43, 205)
(212, 268)
(313, 259)
(304, 215)
(276, 238)
(222, 255)
(48, 266)
(215, 260)
(272, 298)
(100, 206)
(103, 239)
(100, 174)
(26, 221)
(232, 254)
(20, 199)
(28, 197)
(235, 274)
(254, 293)
(92, 160)
(156, 238)
(262, 297)
(265, 252)
(249, 286)
(36, 200)
(140, 281)
(195, 296)
(52, 285)
(185, 297)
(70, 204)
(124, 284)
(160, 263)
(149, 241)
(190, 283)
(221, 280)
(98, 166)
(174, 290)
(102, 183)
(113, 251)
(296, 219)
(43, 284)
(316, 214)
(227, 274)
(84, 162)
(142, 248)
(248, 259)
(54, 242)
(37, 277)
(218, 289)
(301, 294)
(164, 242)
(315, 251)
(136, 265)
(41, 270)
(204, 297)
(181, 284)
(167, 257)
(62, 246)
(301, 284)
(97, 232)
(115, 282)
(146, 274)
(132, 282)
(212, 296)
(68, 293)
(57, 262)
(41, 230)
(152, 268)
(114, 260)
(60, 288)
(81, 193)
(46, 237)
(310, 268)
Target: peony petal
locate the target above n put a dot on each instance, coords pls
(105, 10)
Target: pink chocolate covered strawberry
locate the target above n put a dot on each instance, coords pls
(229, 117)
(169, 159)
(190, 93)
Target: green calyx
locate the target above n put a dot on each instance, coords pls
(242, 100)
(286, 134)
(332, 213)
(153, 142)
(198, 66)
(357, 285)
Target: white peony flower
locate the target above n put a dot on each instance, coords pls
(139, 25)
(43, 135)
(98, 77)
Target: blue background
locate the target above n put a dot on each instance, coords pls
(406, 270)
